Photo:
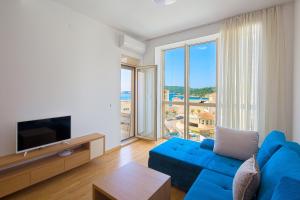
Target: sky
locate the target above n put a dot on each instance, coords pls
(125, 80)
(202, 66)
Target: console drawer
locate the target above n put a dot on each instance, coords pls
(13, 183)
(47, 170)
(77, 159)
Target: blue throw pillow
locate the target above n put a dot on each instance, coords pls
(288, 188)
(284, 163)
(271, 144)
(207, 144)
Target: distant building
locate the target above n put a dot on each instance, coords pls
(211, 97)
(166, 95)
(177, 99)
(203, 123)
(125, 107)
(206, 118)
(201, 118)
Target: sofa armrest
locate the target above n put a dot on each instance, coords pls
(207, 144)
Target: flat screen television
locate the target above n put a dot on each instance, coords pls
(43, 132)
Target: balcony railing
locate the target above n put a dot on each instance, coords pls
(201, 120)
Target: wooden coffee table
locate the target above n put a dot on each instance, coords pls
(133, 182)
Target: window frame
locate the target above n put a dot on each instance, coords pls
(132, 132)
(187, 45)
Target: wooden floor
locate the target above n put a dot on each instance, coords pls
(77, 183)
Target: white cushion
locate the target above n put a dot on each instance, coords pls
(246, 180)
(235, 143)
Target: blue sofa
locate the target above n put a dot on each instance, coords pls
(197, 170)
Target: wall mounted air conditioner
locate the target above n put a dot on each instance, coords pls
(131, 44)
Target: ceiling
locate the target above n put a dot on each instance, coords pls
(146, 20)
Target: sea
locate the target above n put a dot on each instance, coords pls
(126, 96)
(180, 96)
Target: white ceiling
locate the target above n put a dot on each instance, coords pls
(146, 20)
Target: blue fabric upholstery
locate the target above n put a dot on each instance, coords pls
(180, 159)
(288, 188)
(207, 144)
(293, 146)
(224, 165)
(285, 162)
(271, 144)
(211, 185)
(184, 159)
(195, 168)
(183, 150)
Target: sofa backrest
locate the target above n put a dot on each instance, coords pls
(274, 141)
(287, 188)
(284, 163)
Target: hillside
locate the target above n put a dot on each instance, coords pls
(200, 92)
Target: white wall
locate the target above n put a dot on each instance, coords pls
(296, 117)
(55, 61)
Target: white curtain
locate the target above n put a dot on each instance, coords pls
(252, 73)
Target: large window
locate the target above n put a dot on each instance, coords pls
(189, 91)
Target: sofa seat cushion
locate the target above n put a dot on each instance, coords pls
(224, 165)
(191, 152)
(284, 163)
(271, 144)
(181, 159)
(211, 185)
(184, 150)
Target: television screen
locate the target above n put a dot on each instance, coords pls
(37, 133)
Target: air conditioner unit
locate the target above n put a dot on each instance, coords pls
(132, 44)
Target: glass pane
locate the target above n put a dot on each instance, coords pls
(201, 122)
(202, 89)
(174, 75)
(174, 88)
(126, 98)
(203, 73)
(173, 120)
(146, 118)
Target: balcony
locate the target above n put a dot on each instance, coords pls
(126, 119)
(200, 121)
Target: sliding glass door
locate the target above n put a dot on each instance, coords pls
(173, 93)
(202, 91)
(189, 96)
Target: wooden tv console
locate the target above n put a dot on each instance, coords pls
(19, 171)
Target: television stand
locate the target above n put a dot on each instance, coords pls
(65, 153)
(19, 171)
(65, 142)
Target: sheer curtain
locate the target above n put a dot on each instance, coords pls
(251, 74)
